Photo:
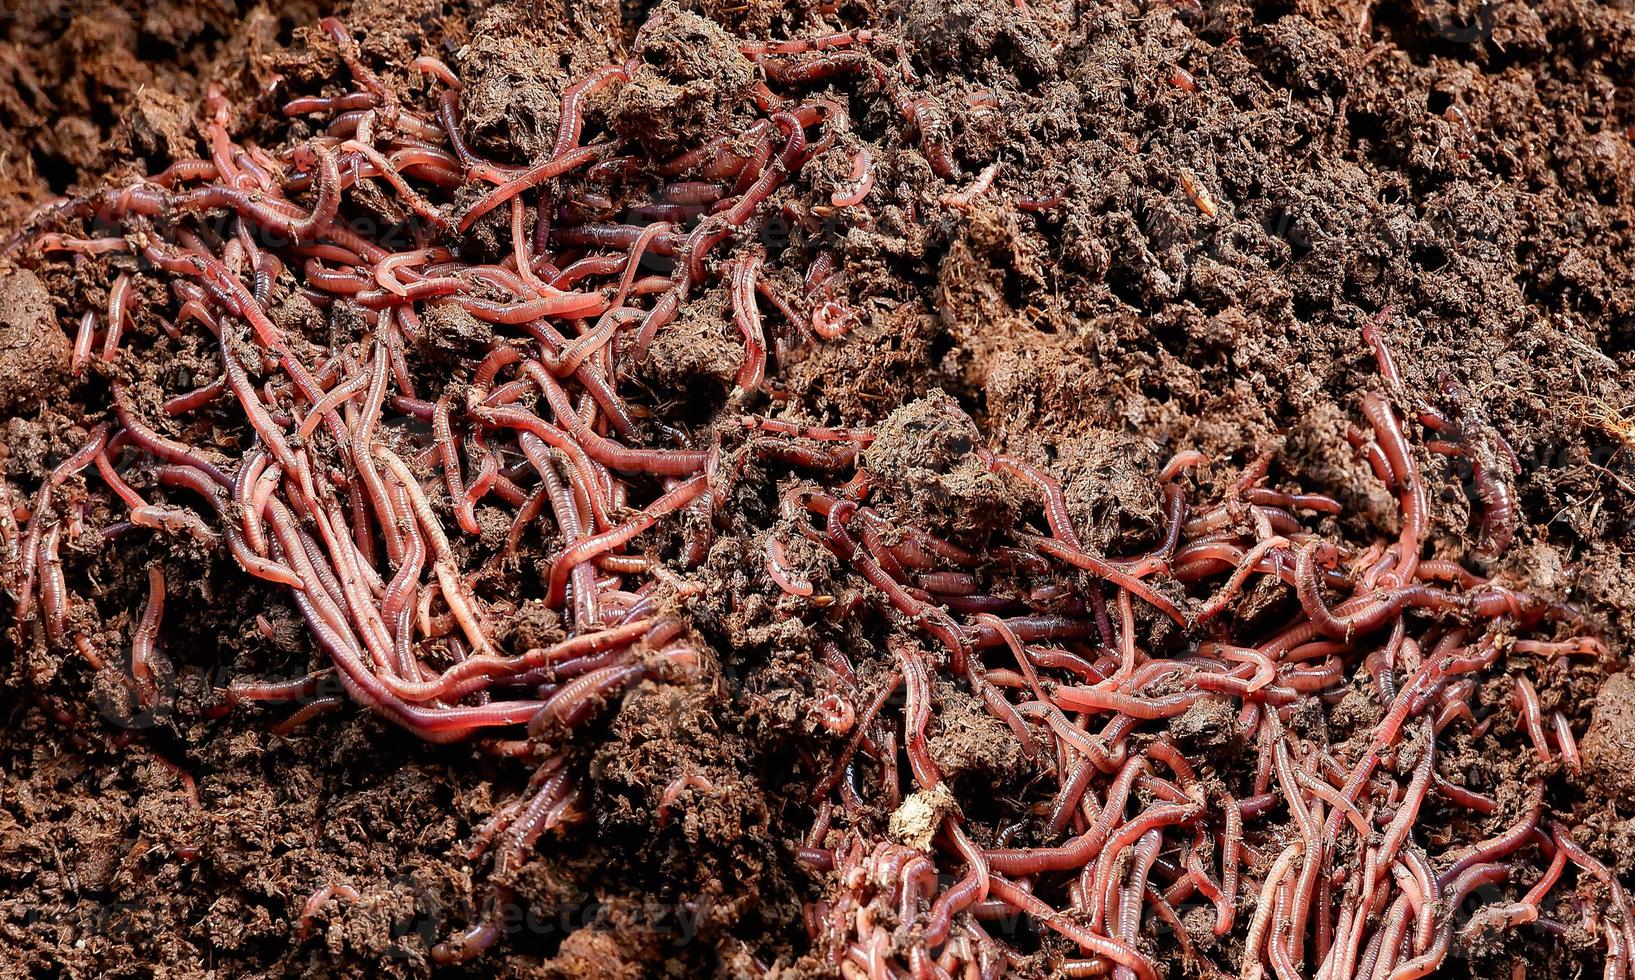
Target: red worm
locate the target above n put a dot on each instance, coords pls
(449, 457)
(1586, 646)
(528, 179)
(658, 462)
(118, 314)
(835, 713)
(588, 549)
(384, 168)
(861, 181)
(53, 587)
(917, 714)
(1182, 79)
(1388, 434)
(437, 68)
(1109, 949)
(832, 320)
(1499, 846)
(145, 639)
(748, 316)
(571, 115)
(1498, 508)
(1527, 704)
(270, 216)
(1566, 742)
(962, 199)
(820, 42)
(777, 568)
(315, 903)
(83, 340)
(673, 791)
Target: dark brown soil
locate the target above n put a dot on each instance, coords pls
(1466, 165)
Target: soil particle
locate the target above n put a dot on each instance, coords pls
(924, 459)
(699, 347)
(33, 349)
(689, 75)
(298, 316)
(1208, 727)
(515, 65)
(952, 34)
(593, 952)
(453, 334)
(915, 822)
(1106, 482)
(970, 744)
(1609, 745)
(892, 352)
(159, 129)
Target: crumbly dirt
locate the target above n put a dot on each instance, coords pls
(1162, 264)
(33, 351)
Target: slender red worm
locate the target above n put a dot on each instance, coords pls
(743, 279)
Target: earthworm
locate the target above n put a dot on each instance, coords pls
(83, 340)
(656, 462)
(1153, 819)
(962, 199)
(832, 320)
(1251, 967)
(1454, 893)
(145, 638)
(118, 314)
(316, 901)
(819, 42)
(385, 169)
(305, 713)
(1049, 202)
(437, 68)
(272, 219)
(589, 548)
(1527, 704)
(676, 787)
(449, 458)
(1112, 950)
(1566, 742)
(1197, 193)
(860, 183)
(1182, 79)
(1585, 646)
(1499, 846)
(777, 567)
(556, 166)
(1388, 433)
(332, 400)
(835, 713)
(748, 316)
(787, 70)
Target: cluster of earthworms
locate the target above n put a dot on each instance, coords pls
(343, 478)
(1312, 861)
(366, 473)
